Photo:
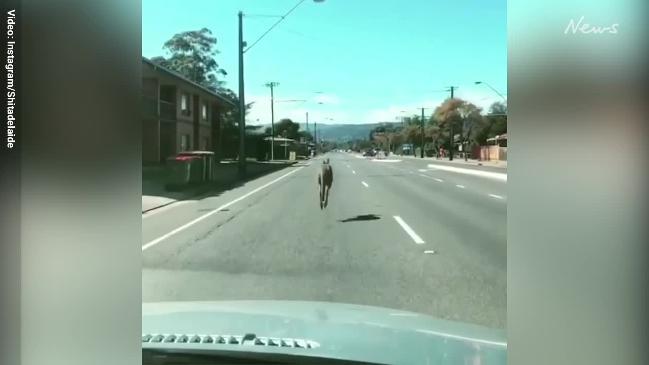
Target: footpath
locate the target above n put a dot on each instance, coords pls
(460, 162)
(156, 195)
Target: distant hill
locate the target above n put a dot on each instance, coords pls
(340, 132)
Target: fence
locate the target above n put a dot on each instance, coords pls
(493, 153)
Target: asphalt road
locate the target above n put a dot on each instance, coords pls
(396, 234)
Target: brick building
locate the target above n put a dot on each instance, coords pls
(178, 114)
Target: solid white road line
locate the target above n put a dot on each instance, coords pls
(409, 230)
(460, 186)
(191, 223)
(365, 184)
(489, 174)
(496, 196)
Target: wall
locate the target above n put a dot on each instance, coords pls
(204, 131)
(493, 153)
(181, 129)
(150, 141)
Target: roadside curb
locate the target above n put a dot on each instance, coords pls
(160, 206)
(487, 174)
(208, 188)
(198, 194)
(459, 164)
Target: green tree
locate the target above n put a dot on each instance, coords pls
(286, 128)
(463, 118)
(495, 123)
(498, 116)
(192, 54)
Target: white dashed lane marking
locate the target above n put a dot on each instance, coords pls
(496, 196)
(415, 237)
(365, 184)
(460, 186)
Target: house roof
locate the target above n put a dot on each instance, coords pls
(185, 79)
(279, 139)
(498, 138)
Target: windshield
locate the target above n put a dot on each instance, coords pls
(327, 151)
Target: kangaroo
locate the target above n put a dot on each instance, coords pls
(325, 180)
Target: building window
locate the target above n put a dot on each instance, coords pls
(184, 142)
(184, 104)
(204, 111)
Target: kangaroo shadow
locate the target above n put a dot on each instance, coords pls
(363, 217)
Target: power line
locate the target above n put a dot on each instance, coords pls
(274, 25)
(262, 16)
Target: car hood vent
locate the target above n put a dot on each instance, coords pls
(237, 340)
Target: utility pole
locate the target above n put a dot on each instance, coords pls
(315, 135)
(452, 143)
(272, 85)
(242, 103)
(422, 132)
(307, 123)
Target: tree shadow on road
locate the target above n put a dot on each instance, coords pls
(155, 177)
(363, 217)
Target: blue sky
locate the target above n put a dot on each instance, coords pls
(365, 60)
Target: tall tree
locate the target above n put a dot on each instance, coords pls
(449, 119)
(498, 108)
(495, 123)
(498, 117)
(192, 54)
(287, 128)
(460, 116)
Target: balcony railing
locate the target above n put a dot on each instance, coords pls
(150, 108)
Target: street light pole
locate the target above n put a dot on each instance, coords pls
(242, 103)
(492, 88)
